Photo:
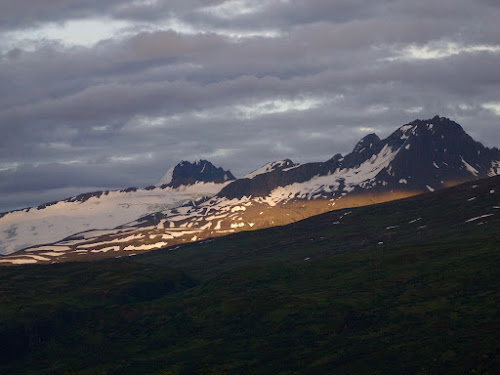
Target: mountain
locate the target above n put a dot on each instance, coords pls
(404, 287)
(186, 173)
(424, 155)
(54, 221)
(421, 156)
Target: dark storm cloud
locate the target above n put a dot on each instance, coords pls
(122, 111)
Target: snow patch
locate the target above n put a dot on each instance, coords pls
(106, 249)
(19, 261)
(238, 208)
(37, 257)
(145, 247)
(206, 226)
(405, 130)
(495, 168)
(49, 248)
(237, 225)
(478, 217)
(469, 167)
(52, 254)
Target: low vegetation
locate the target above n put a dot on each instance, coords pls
(406, 287)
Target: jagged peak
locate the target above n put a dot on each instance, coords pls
(437, 125)
(188, 173)
(443, 123)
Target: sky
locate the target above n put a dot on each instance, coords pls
(110, 94)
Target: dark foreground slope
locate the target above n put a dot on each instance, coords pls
(405, 287)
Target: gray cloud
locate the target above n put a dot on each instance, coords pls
(122, 111)
(27, 13)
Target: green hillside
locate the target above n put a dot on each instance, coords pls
(405, 287)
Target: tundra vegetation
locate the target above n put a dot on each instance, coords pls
(405, 287)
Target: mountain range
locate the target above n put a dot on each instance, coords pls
(198, 201)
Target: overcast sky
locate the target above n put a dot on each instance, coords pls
(110, 94)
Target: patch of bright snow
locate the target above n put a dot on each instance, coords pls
(237, 225)
(217, 227)
(106, 249)
(238, 208)
(478, 217)
(469, 167)
(19, 261)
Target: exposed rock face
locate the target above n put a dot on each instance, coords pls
(186, 173)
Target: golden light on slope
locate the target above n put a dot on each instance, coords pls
(231, 217)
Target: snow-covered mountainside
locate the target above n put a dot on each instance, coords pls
(98, 210)
(419, 157)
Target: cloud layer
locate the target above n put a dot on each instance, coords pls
(111, 94)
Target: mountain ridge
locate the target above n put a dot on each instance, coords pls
(417, 148)
(421, 156)
(53, 221)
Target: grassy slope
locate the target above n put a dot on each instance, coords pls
(423, 301)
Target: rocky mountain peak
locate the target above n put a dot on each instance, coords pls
(436, 125)
(423, 155)
(187, 173)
